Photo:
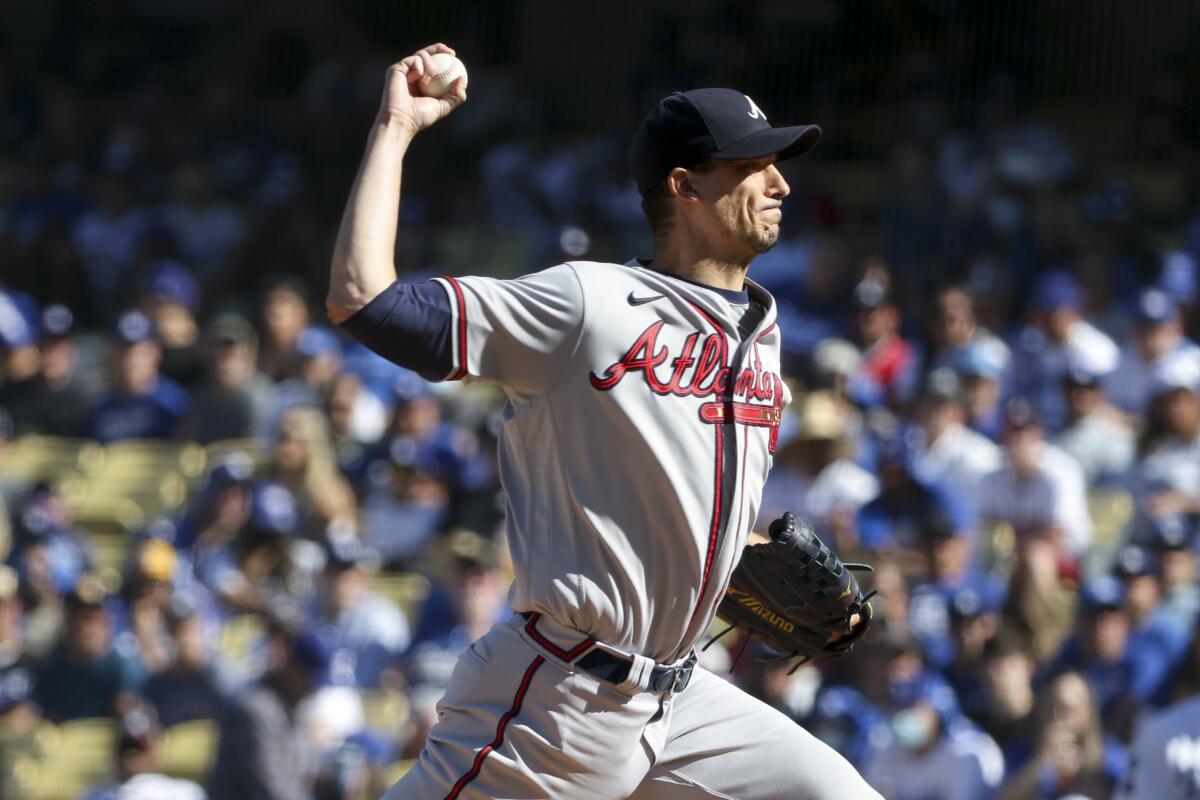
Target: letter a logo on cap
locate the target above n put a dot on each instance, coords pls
(755, 112)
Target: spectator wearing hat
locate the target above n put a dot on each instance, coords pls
(285, 316)
(86, 675)
(1057, 337)
(40, 389)
(1175, 541)
(318, 353)
(191, 686)
(949, 453)
(266, 559)
(217, 513)
(1096, 436)
(170, 297)
(1124, 673)
(907, 502)
(408, 501)
(1157, 334)
(136, 760)
(950, 584)
(264, 751)
(60, 401)
(1039, 490)
(1167, 474)
(49, 557)
(140, 616)
(1138, 569)
(932, 751)
(467, 597)
(889, 361)
(142, 403)
(813, 475)
(1071, 754)
(232, 400)
(954, 329)
(846, 721)
(981, 366)
(18, 343)
(369, 626)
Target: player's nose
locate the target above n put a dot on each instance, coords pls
(776, 186)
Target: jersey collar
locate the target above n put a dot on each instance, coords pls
(733, 296)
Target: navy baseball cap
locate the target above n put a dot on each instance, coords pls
(685, 128)
(18, 320)
(1155, 307)
(317, 342)
(1102, 593)
(273, 509)
(172, 282)
(1057, 290)
(133, 327)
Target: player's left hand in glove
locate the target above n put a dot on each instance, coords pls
(795, 596)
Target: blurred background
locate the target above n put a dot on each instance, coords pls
(987, 284)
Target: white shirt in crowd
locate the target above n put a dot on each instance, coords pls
(1055, 495)
(1129, 386)
(1174, 465)
(958, 460)
(840, 486)
(1166, 756)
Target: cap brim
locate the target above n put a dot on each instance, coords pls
(783, 142)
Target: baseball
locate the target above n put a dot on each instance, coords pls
(448, 69)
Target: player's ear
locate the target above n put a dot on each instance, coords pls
(679, 181)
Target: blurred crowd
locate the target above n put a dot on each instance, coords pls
(997, 403)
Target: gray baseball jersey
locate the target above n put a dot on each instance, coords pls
(640, 427)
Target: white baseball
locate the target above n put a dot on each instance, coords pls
(447, 69)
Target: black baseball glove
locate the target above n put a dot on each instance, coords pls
(796, 596)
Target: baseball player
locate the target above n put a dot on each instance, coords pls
(643, 407)
(1166, 756)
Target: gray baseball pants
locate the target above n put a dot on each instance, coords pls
(518, 721)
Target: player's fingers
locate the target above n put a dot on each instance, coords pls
(458, 93)
(412, 68)
(439, 48)
(429, 68)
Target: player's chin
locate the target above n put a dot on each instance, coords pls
(764, 238)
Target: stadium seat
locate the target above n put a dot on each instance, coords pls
(187, 750)
(31, 459)
(76, 755)
(386, 710)
(406, 589)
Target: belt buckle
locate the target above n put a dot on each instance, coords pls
(677, 679)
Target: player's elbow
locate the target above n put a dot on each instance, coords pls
(346, 297)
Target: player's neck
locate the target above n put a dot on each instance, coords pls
(720, 273)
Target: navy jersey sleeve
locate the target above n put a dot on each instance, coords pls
(409, 324)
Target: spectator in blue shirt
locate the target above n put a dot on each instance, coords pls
(142, 403)
(86, 675)
(371, 629)
(1124, 672)
(948, 532)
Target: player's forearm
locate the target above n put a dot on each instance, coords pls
(362, 264)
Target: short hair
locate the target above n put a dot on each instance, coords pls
(656, 203)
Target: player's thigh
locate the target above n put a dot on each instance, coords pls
(514, 723)
(723, 743)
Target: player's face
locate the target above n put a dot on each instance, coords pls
(745, 200)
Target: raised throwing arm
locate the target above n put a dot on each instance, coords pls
(362, 266)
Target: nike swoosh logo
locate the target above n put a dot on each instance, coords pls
(638, 301)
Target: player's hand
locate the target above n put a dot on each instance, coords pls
(402, 100)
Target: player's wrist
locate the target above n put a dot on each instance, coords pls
(396, 126)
